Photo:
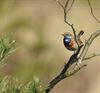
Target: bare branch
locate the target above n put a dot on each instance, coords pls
(92, 13)
(75, 70)
(60, 4)
(88, 43)
(91, 56)
(70, 6)
(66, 12)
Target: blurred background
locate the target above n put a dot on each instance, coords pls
(37, 26)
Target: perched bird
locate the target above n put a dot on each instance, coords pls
(69, 41)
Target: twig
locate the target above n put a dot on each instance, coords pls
(92, 13)
(75, 70)
(91, 56)
(60, 4)
(88, 43)
(70, 6)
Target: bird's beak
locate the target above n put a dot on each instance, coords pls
(63, 34)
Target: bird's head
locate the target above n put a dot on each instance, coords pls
(67, 34)
(67, 37)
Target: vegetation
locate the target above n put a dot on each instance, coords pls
(9, 84)
(38, 59)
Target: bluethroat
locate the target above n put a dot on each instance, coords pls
(69, 41)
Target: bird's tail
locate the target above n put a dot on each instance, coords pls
(79, 37)
(80, 34)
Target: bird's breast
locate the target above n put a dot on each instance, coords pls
(71, 45)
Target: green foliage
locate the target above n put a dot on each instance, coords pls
(7, 46)
(9, 84)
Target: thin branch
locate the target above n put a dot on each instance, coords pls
(66, 4)
(88, 43)
(75, 70)
(70, 6)
(60, 4)
(66, 12)
(91, 56)
(92, 13)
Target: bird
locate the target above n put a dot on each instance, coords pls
(70, 42)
